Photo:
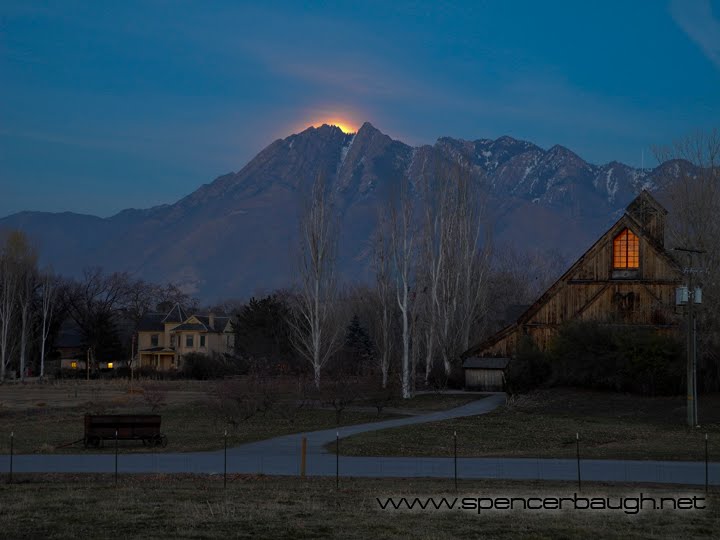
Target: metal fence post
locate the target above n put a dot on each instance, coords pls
(577, 447)
(12, 438)
(116, 456)
(455, 460)
(706, 463)
(225, 463)
(337, 460)
(303, 456)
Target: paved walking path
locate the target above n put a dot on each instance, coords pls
(281, 456)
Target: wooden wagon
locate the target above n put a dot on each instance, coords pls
(143, 427)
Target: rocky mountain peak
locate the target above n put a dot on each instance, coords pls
(238, 232)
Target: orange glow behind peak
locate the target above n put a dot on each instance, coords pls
(345, 126)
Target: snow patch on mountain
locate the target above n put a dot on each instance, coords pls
(611, 184)
(345, 149)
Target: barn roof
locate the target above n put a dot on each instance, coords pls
(485, 363)
(625, 220)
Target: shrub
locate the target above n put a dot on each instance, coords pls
(437, 378)
(205, 367)
(616, 358)
(529, 369)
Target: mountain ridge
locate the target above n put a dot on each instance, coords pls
(237, 233)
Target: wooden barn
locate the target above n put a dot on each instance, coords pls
(486, 374)
(625, 278)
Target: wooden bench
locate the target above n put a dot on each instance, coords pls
(144, 427)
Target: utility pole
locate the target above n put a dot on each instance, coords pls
(692, 396)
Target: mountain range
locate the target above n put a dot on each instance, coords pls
(237, 235)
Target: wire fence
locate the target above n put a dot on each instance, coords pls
(295, 457)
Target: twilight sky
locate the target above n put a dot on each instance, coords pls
(109, 105)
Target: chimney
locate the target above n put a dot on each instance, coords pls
(211, 320)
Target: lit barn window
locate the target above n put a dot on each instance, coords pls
(626, 250)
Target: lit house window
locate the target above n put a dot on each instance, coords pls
(626, 250)
(73, 365)
(188, 340)
(110, 365)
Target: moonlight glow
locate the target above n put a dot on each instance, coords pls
(347, 126)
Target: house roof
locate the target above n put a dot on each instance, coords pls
(155, 322)
(219, 323)
(475, 362)
(203, 324)
(177, 314)
(151, 322)
(626, 220)
(190, 327)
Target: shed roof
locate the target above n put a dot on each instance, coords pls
(475, 362)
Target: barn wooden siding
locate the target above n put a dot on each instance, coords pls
(592, 290)
(489, 380)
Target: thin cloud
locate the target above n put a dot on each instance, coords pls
(696, 19)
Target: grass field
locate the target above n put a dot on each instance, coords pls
(292, 508)
(45, 417)
(544, 424)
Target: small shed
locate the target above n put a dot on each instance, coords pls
(487, 374)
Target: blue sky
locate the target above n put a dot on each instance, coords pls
(110, 105)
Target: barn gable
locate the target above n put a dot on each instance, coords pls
(626, 277)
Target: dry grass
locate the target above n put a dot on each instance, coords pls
(45, 417)
(434, 402)
(190, 427)
(544, 425)
(269, 507)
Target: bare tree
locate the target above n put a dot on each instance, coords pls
(49, 294)
(457, 248)
(383, 288)
(94, 303)
(18, 266)
(474, 242)
(692, 185)
(436, 228)
(26, 258)
(402, 237)
(315, 329)
(8, 296)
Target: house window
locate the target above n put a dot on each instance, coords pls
(172, 340)
(188, 340)
(110, 365)
(202, 341)
(154, 340)
(73, 365)
(626, 250)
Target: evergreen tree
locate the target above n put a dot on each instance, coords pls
(359, 349)
(262, 332)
